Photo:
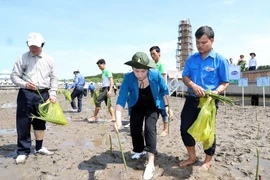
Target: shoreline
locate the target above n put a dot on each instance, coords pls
(82, 149)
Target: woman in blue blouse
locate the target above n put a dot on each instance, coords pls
(145, 92)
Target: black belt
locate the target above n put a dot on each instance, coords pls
(194, 97)
(106, 87)
(40, 90)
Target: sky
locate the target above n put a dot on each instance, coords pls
(78, 33)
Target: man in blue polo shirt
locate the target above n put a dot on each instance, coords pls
(91, 88)
(203, 70)
(78, 85)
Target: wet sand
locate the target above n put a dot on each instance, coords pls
(82, 149)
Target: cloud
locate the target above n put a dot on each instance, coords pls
(245, 44)
(115, 56)
(218, 4)
(260, 44)
(228, 2)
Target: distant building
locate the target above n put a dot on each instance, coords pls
(184, 44)
(174, 73)
(5, 77)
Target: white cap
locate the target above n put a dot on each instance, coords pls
(35, 39)
(76, 70)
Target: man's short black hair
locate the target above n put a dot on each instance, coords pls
(205, 30)
(101, 61)
(155, 48)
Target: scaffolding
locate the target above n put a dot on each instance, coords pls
(184, 44)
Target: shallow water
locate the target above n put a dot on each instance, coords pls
(6, 154)
(11, 131)
(8, 105)
(264, 167)
(238, 171)
(7, 131)
(92, 144)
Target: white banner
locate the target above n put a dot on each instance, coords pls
(234, 72)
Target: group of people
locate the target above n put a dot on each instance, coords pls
(79, 90)
(144, 90)
(252, 63)
(78, 87)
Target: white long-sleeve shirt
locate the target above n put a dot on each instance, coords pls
(40, 69)
(252, 62)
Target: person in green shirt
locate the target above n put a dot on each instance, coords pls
(242, 63)
(107, 88)
(155, 54)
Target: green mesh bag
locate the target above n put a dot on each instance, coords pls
(203, 129)
(51, 112)
(67, 95)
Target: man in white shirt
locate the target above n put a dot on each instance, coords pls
(34, 70)
(252, 64)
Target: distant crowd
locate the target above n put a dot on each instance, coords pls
(252, 63)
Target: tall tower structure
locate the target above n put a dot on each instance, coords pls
(184, 44)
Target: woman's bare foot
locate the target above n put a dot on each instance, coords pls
(188, 162)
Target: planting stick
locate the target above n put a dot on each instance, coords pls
(169, 119)
(110, 138)
(123, 157)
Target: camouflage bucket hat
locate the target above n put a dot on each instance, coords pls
(141, 61)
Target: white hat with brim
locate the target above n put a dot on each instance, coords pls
(35, 39)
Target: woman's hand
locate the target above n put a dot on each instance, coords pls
(116, 127)
(169, 112)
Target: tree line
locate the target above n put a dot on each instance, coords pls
(117, 77)
(263, 67)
